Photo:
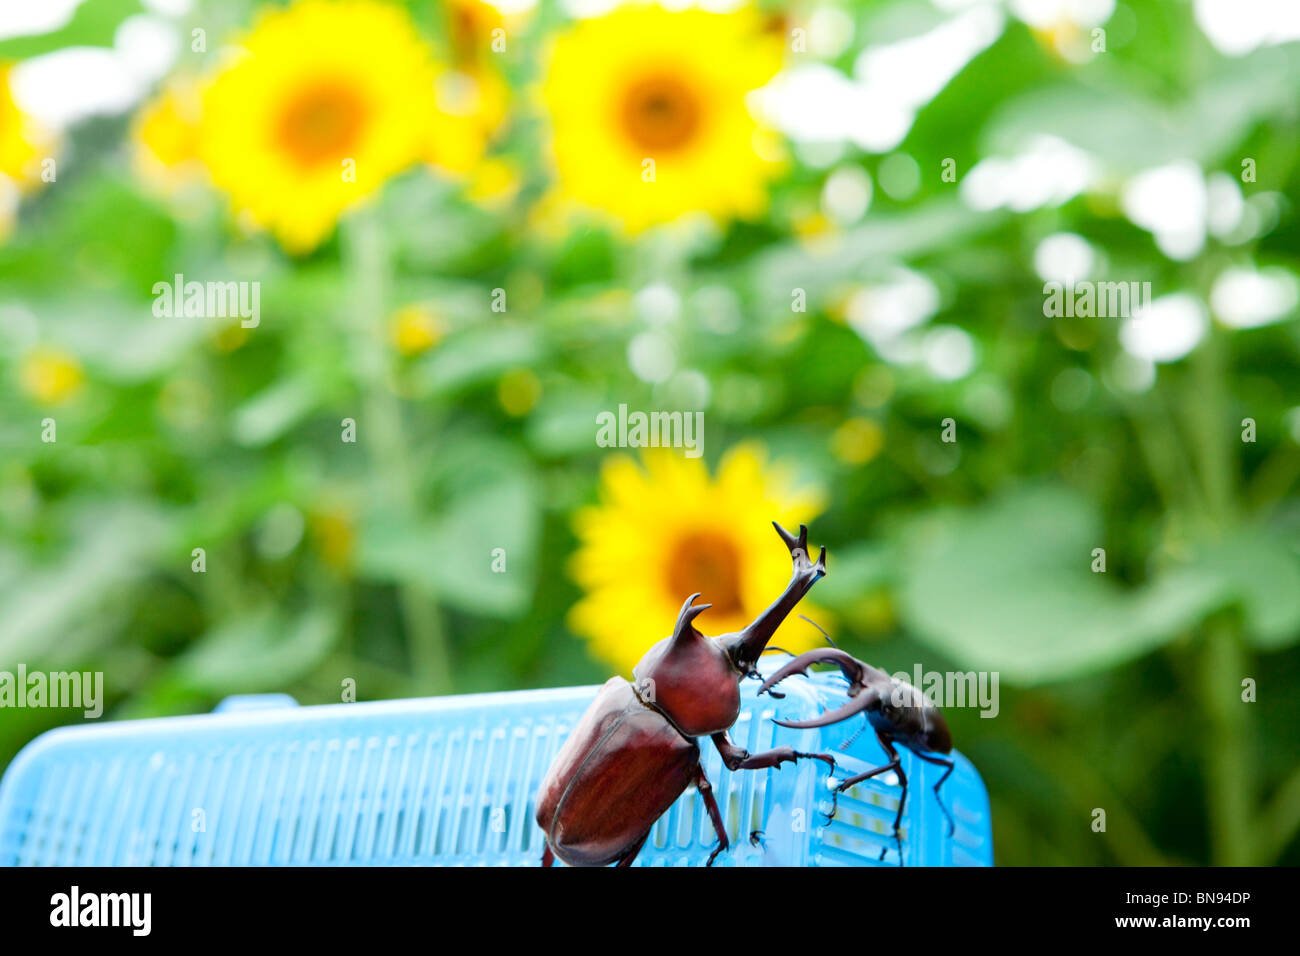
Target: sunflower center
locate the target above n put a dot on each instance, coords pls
(321, 124)
(661, 112)
(709, 563)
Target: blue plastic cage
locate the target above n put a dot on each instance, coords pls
(450, 781)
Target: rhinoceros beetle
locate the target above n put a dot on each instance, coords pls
(895, 710)
(635, 750)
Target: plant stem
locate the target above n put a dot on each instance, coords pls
(1211, 428)
(1077, 777)
(366, 257)
(1280, 822)
(1165, 462)
(1229, 769)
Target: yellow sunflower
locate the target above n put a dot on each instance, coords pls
(23, 143)
(666, 529)
(327, 101)
(471, 107)
(472, 94)
(416, 328)
(166, 135)
(50, 376)
(649, 116)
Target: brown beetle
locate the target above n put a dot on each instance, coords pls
(634, 752)
(895, 710)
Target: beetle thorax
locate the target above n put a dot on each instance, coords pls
(692, 681)
(908, 716)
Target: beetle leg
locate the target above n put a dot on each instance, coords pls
(627, 858)
(948, 765)
(738, 758)
(902, 801)
(857, 779)
(896, 765)
(548, 857)
(706, 792)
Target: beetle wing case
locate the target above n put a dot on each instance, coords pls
(617, 773)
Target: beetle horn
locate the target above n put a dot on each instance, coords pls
(849, 665)
(688, 614)
(857, 705)
(790, 540)
(746, 646)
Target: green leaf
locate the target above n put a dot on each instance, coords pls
(478, 553)
(565, 424)
(853, 572)
(478, 354)
(117, 544)
(1009, 588)
(123, 341)
(260, 652)
(1131, 132)
(932, 226)
(94, 23)
(498, 523)
(1260, 574)
(273, 411)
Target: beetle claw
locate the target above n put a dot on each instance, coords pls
(835, 806)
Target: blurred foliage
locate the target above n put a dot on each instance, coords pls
(328, 560)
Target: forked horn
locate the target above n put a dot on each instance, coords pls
(790, 540)
(856, 705)
(798, 548)
(687, 615)
(848, 664)
(745, 647)
(851, 667)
